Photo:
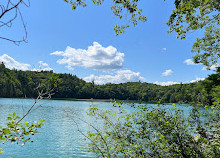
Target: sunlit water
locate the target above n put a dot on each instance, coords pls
(59, 137)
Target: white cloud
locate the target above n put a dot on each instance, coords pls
(197, 79)
(213, 67)
(42, 67)
(121, 76)
(95, 57)
(13, 64)
(167, 72)
(41, 63)
(189, 62)
(168, 83)
(164, 49)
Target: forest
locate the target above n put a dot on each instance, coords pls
(22, 84)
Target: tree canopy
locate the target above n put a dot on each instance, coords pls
(14, 83)
(191, 15)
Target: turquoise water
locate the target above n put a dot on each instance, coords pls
(58, 138)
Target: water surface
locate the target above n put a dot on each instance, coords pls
(59, 137)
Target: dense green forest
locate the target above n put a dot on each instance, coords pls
(14, 83)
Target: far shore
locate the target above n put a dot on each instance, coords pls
(95, 100)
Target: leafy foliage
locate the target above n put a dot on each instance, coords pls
(19, 132)
(189, 16)
(154, 132)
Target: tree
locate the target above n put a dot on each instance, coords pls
(191, 15)
(149, 131)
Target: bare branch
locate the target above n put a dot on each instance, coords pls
(42, 94)
(10, 21)
(89, 138)
(6, 18)
(7, 10)
(99, 133)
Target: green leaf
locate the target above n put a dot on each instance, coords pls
(6, 131)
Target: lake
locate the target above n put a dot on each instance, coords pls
(58, 137)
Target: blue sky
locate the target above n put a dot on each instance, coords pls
(58, 39)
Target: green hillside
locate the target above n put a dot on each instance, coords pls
(14, 83)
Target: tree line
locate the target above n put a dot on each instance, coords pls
(23, 84)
